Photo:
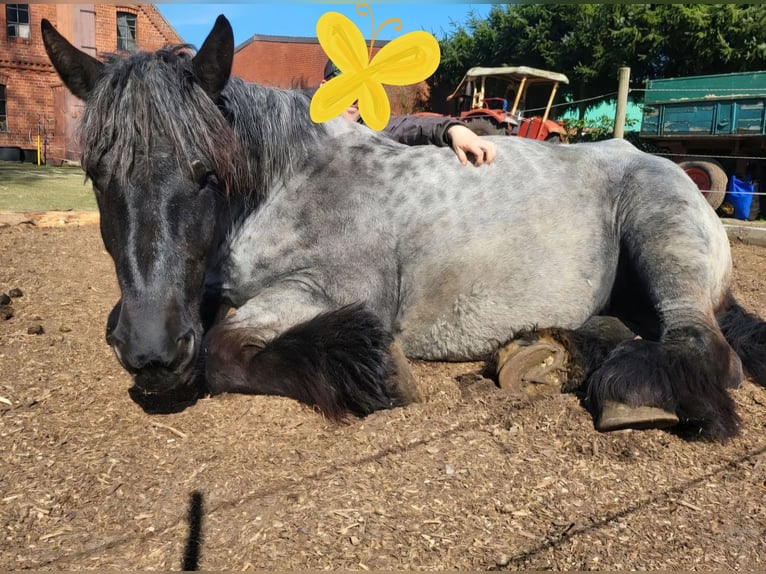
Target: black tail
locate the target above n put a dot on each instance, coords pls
(746, 334)
(339, 361)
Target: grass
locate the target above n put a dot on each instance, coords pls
(29, 188)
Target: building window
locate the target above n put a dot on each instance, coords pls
(3, 117)
(126, 31)
(17, 19)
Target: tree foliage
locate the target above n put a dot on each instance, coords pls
(590, 42)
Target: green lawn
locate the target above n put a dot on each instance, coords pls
(28, 187)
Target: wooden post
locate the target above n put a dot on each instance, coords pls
(522, 87)
(622, 103)
(550, 102)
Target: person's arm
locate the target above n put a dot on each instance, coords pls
(420, 130)
(440, 131)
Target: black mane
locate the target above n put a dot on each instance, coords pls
(250, 138)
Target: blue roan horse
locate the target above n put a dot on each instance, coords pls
(258, 252)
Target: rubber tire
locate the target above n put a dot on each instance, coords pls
(485, 127)
(701, 171)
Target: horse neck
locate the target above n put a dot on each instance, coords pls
(276, 133)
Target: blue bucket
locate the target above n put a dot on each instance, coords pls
(740, 195)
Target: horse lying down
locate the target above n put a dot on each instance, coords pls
(593, 267)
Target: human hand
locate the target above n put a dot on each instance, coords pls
(465, 141)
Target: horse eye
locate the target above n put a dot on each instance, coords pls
(212, 179)
(200, 173)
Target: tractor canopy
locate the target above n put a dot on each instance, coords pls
(512, 75)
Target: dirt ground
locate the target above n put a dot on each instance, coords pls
(469, 479)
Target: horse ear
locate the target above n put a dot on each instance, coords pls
(78, 70)
(212, 64)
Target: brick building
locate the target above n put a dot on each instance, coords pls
(298, 62)
(32, 98)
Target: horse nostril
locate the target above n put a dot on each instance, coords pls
(185, 347)
(115, 343)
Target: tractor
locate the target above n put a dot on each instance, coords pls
(514, 86)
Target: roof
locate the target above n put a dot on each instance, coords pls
(518, 71)
(509, 73)
(292, 40)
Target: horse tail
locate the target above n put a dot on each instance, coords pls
(746, 334)
(339, 362)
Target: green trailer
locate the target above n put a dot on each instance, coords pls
(714, 126)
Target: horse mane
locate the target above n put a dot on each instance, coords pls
(250, 138)
(274, 127)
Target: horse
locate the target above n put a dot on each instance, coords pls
(259, 252)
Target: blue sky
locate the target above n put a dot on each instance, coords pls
(193, 21)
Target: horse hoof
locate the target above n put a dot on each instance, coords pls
(618, 416)
(403, 379)
(532, 367)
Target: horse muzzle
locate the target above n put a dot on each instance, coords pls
(164, 392)
(163, 363)
(170, 355)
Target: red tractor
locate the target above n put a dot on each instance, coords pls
(514, 87)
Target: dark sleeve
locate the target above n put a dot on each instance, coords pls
(420, 130)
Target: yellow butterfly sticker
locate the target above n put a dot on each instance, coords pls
(408, 59)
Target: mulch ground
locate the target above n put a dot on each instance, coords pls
(468, 479)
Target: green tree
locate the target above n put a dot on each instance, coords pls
(590, 42)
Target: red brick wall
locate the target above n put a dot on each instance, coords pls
(152, 30)
(286, 62)
(281, 62)
(33, 89)
(26, 73)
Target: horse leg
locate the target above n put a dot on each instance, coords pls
(686, 374)
(679, 255)
(340, 361)
(553, 360)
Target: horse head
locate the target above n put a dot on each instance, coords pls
(158, 152)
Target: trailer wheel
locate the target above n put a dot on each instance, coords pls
(710, 179)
